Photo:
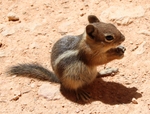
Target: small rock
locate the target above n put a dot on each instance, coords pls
(149, 106)
(134, 101)
(15, 98)
(2, 54)
(48, 91)
(17, 95)
(127, 83)
(8, 32)
(131, 42)
(32, 85)
(82, 14)
(77, 110)
(109, 71)
(64, 27)
(134, 48)
(144, 32)
(2, 26)
(34, 46)
(1, 44)
(12, 16)
(122, 15)
(117, 106)
(140, 49)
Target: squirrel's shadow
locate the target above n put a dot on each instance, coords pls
(107, 92)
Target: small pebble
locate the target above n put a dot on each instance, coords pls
(32, 85)
(149, 106)
(109, 71)
(15, 98)
(12, 17)
(82, 14)
(144, 32)
(48, 91)
(1, 44)
(134, 101)
(17, 95)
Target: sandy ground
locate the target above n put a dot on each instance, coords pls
(41, 23)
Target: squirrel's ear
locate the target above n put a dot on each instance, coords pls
(93, 19)
(91, 31)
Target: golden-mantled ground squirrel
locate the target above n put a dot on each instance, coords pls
(75, 59)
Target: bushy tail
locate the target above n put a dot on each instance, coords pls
(34, 71)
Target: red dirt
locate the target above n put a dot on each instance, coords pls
(41, 23)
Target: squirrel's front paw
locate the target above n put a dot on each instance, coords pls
(120, 50)
(116, 53)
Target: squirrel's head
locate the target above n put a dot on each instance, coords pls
(103, 35)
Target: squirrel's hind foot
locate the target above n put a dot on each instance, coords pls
(82, 95)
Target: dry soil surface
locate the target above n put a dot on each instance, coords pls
(38, 24)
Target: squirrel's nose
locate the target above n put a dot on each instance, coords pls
(122, 37)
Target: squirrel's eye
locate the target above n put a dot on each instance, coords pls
(109, 38)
